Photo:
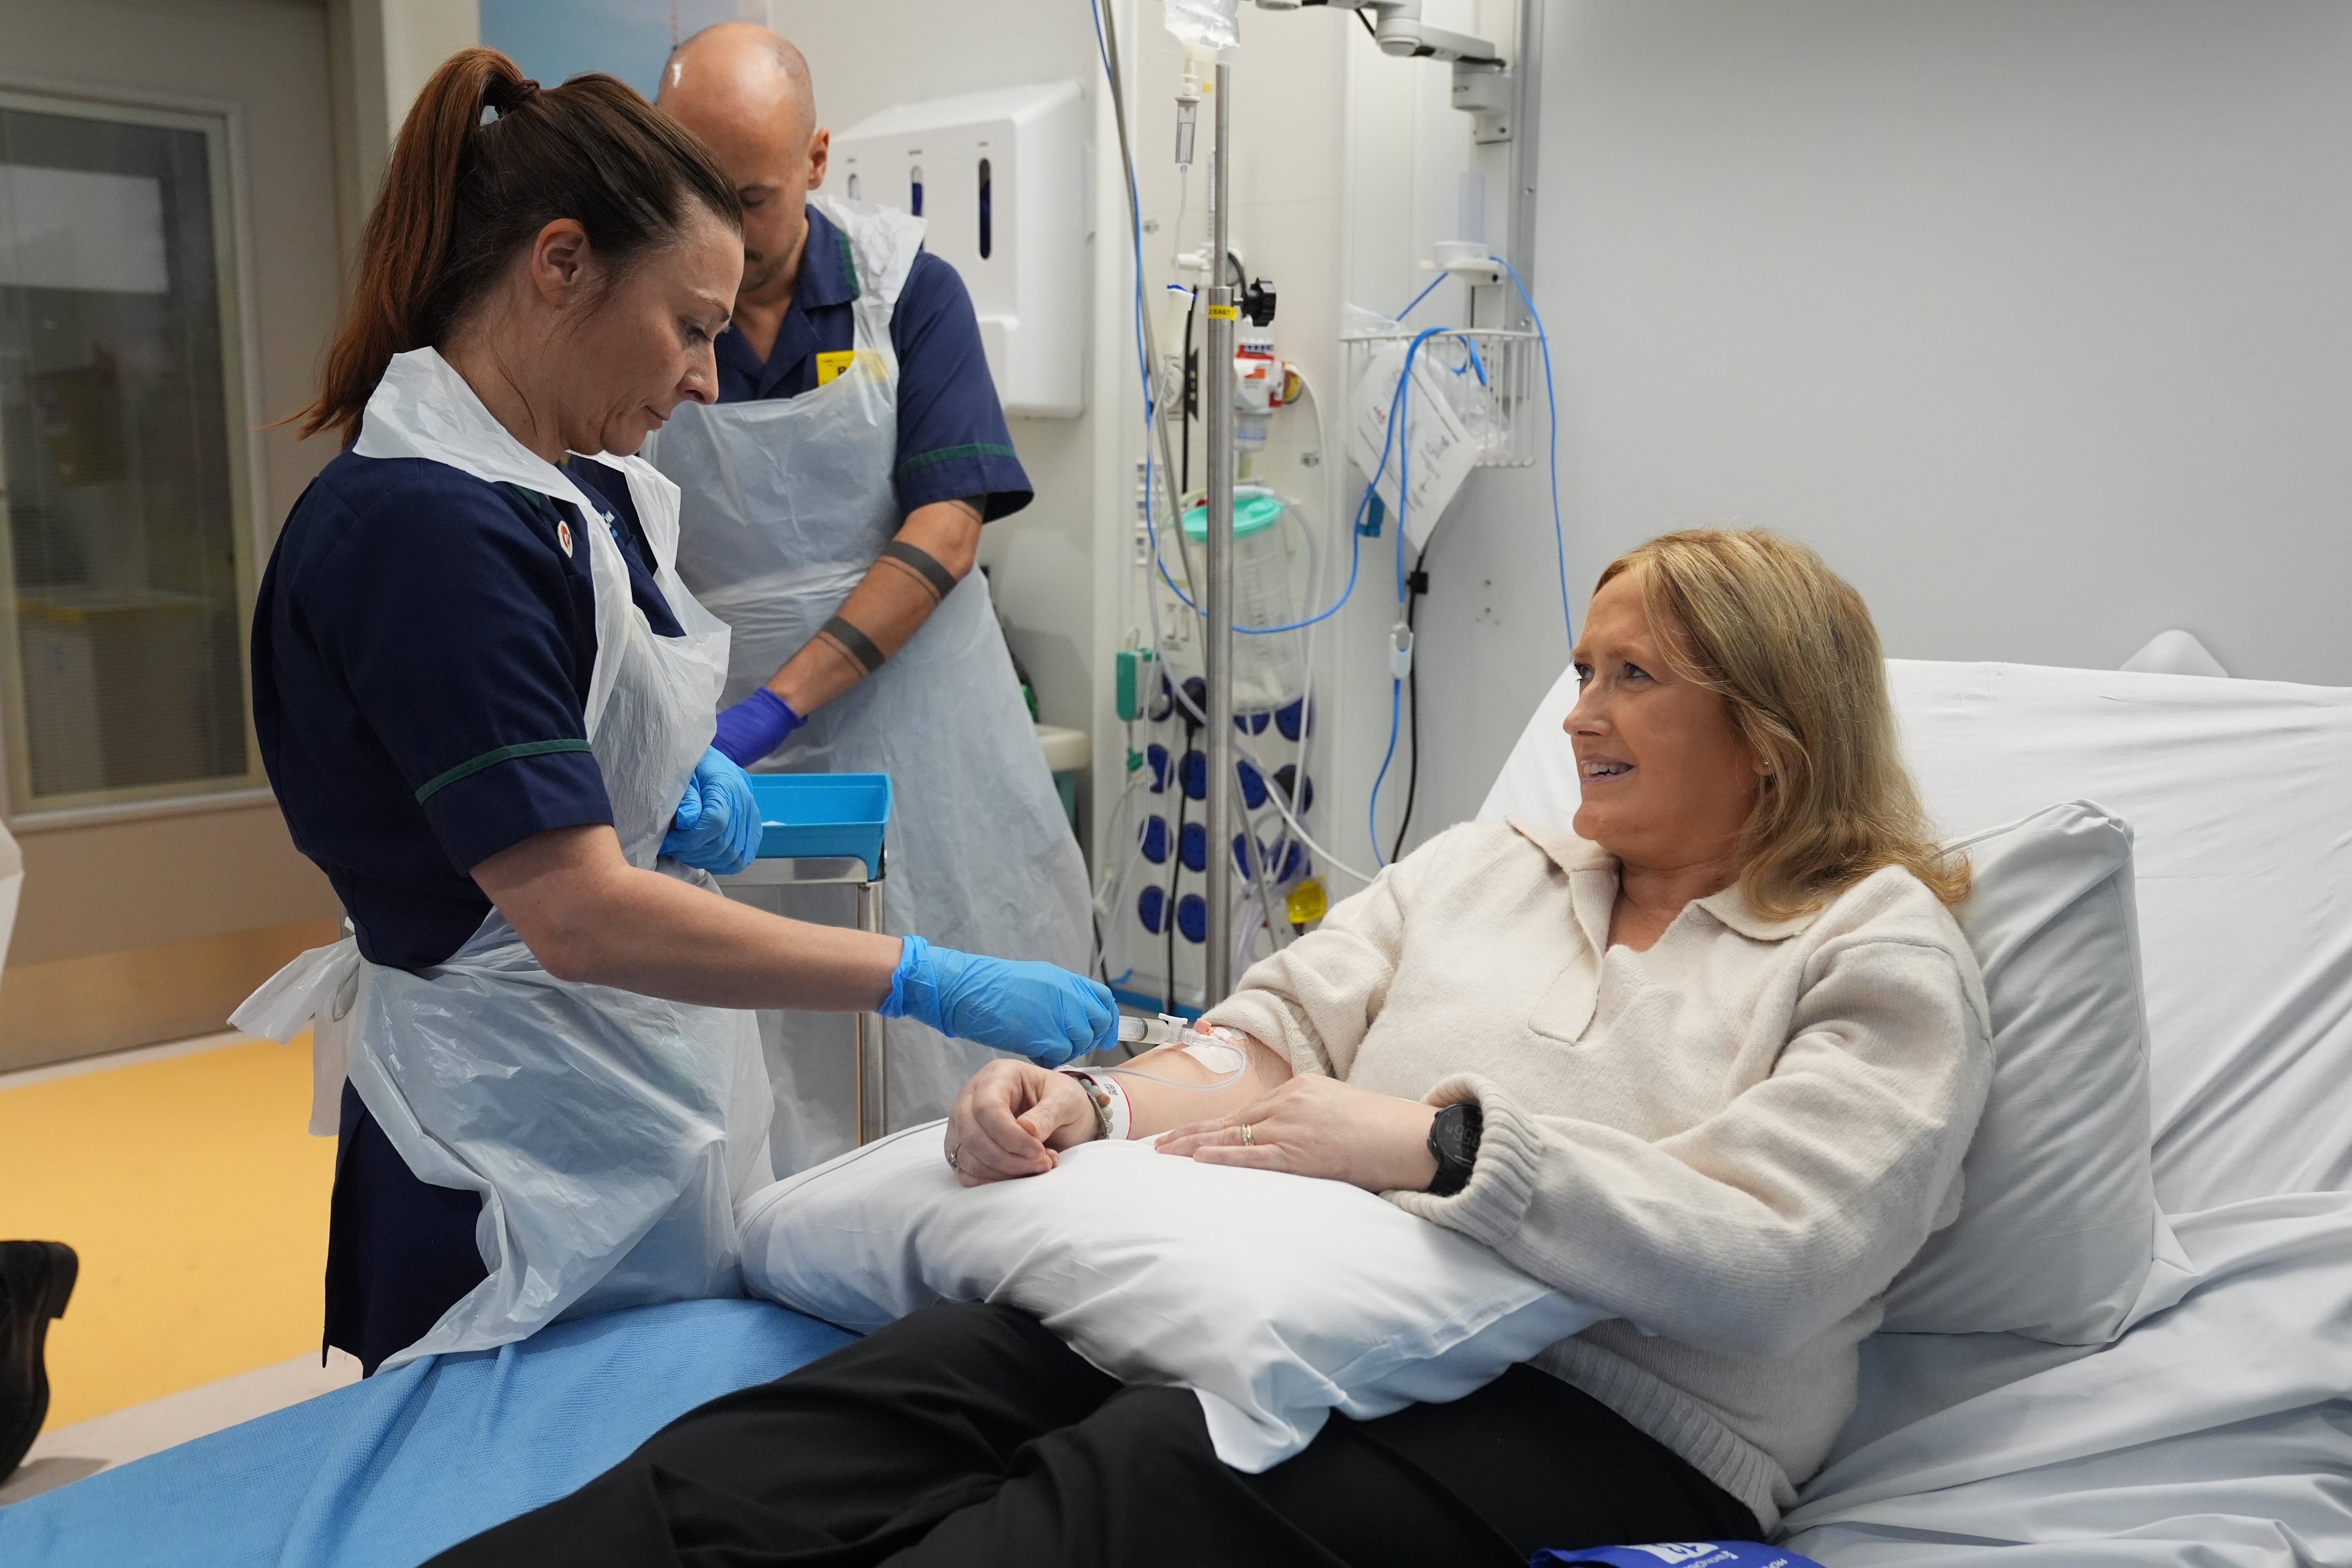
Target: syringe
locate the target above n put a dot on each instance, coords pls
(1165, 1030)
(1219, 1052)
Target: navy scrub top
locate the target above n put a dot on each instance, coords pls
(953, 443)
(422, 648)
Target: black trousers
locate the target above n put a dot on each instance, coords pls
(400, 1251)
(971, 1436)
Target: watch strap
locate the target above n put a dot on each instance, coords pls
(1454, 1137)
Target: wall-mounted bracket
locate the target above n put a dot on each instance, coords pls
(1483, 90)
(1398, 25)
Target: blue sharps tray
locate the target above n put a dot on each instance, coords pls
(806, 815)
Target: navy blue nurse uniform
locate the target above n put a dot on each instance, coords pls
(953, 443)
(421, 646)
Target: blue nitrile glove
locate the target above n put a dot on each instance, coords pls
(718, 822)
(755, 727)
(1041, 1010)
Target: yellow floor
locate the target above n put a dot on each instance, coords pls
(199, 1204)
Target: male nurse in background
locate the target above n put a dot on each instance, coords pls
(833, 507)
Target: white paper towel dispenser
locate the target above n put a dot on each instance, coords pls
(999, 179)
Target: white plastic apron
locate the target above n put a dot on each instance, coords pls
(608, 1133)
(787, 504)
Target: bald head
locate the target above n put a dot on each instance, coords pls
(740, 71)
(745, 92)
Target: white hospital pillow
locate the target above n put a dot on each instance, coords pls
(2059, 1224)
(1276, 1298)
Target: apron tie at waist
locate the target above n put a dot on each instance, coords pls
(317, 992)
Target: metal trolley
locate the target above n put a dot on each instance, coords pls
(827, 830)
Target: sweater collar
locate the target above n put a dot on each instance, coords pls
(1593, 890)
(1732, 908)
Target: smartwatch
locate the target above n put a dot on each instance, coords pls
(1454, 1141)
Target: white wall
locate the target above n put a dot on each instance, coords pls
(2035, 318)
(1406, 152)
(381, 54)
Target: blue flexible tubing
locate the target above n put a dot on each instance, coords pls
(1424, 294)
(1372, 813)
(1552, 400)
(1396, 424)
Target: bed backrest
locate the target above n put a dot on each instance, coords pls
(2239, 793)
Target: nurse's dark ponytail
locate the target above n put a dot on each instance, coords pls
(484, 161)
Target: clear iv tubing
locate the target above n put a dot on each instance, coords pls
(1355, 531)
(1170, 1030)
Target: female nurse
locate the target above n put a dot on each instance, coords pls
(485, 702)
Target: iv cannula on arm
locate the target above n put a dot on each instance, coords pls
(1217, 1051)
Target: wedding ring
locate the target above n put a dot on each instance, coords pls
(952, 1156)
(1248, 1139)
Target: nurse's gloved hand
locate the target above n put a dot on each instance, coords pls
(718, 822)
(1041, 1010)
(755, 727)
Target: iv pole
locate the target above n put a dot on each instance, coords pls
(1217, 398)
(1401, 32)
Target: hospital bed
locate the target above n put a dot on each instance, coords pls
(2217, 1434)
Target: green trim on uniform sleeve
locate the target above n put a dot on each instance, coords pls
(849, 262)
(950, 454)
(433, 787)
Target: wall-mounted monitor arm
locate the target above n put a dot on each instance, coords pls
(1481, 83)
(1398, 25)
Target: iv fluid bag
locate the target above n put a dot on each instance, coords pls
(1211, 24)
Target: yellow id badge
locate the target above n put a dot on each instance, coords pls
(831, 364)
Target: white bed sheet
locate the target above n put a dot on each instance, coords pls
(2219, 1433)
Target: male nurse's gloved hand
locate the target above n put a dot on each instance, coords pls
(718, 822)
(1041, 1010)
(756, 726)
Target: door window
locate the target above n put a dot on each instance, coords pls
(125, 462)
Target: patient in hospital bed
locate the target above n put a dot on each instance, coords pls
(1710, 1062)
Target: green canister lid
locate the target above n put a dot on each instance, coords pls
(1254, 511)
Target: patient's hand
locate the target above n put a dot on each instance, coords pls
(1010, 1119)
(1315, 1126)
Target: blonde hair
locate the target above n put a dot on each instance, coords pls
(1764, 623)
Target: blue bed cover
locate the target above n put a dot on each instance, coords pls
(389, 1471)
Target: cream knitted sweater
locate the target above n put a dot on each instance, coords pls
(1734, 1141)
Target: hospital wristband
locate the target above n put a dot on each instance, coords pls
(1114, 1116)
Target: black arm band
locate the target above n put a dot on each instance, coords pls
(855, 643)
(925, 565)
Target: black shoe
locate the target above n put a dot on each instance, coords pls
(36, 1277)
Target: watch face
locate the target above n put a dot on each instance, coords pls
(1450, 1129)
